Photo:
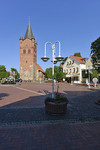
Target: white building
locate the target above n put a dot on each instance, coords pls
(73, 67)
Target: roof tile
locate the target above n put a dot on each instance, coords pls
(79, 59)
(39, 68)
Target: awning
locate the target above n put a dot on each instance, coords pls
(69, 75)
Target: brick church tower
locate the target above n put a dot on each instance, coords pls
(28, 56)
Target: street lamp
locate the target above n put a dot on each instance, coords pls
(14, 75)
(88, 76)
(54, 61)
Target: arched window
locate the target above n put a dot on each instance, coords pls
(24, 51)
(29, 51)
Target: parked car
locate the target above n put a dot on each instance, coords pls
(18, 80)
(8, 80)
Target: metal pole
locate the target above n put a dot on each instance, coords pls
(89, 78)
(53, 49)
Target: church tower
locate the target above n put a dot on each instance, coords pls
(28, 56)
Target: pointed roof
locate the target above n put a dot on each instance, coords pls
(21, 37)
(29, 33)
(79, 59)
(10, 73)
(39, 68)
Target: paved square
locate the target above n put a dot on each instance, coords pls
(33, 94)
(24, 125)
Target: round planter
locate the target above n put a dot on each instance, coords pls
(56, 108)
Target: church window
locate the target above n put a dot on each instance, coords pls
(29, 51)
(24, 51)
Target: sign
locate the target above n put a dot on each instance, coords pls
(95, 80)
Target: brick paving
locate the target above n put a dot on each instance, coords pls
(23, 95)
(77, 136)
(24, 125)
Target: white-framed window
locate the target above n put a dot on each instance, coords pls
(73, 69)
(77, 69)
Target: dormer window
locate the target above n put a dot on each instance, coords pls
(24, 51)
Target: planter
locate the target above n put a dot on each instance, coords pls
(56, 108)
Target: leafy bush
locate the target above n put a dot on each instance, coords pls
(57, 99)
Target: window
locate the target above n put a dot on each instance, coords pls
(73, 62)
(77, 68)
(76, 79)
(29, 51)
(73, 69)
(70, 70)
(24, 51)
(26, 61)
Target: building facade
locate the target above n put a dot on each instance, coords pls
(73, 67)
(28, 57)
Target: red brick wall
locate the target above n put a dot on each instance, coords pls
(28, 60)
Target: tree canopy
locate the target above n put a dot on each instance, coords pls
(94, 73)
(77, 54)
(95, 51)
(17, 75)
(58, 73)
(3, 72)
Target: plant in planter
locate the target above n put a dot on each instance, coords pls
(56, 105)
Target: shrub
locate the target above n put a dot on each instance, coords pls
(57, 99)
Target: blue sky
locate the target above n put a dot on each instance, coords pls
(75, 23)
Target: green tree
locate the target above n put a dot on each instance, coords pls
(95, 51)
(60, 76)
(2, 68)
(94, 73)
(58, 73)
(77, 54)
(3, 72)
(17, 75)
(48, 73)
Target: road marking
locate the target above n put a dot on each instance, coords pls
(30, 91)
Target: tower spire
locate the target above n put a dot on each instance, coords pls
(29, 19)
(21, 37)
(29, 33)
